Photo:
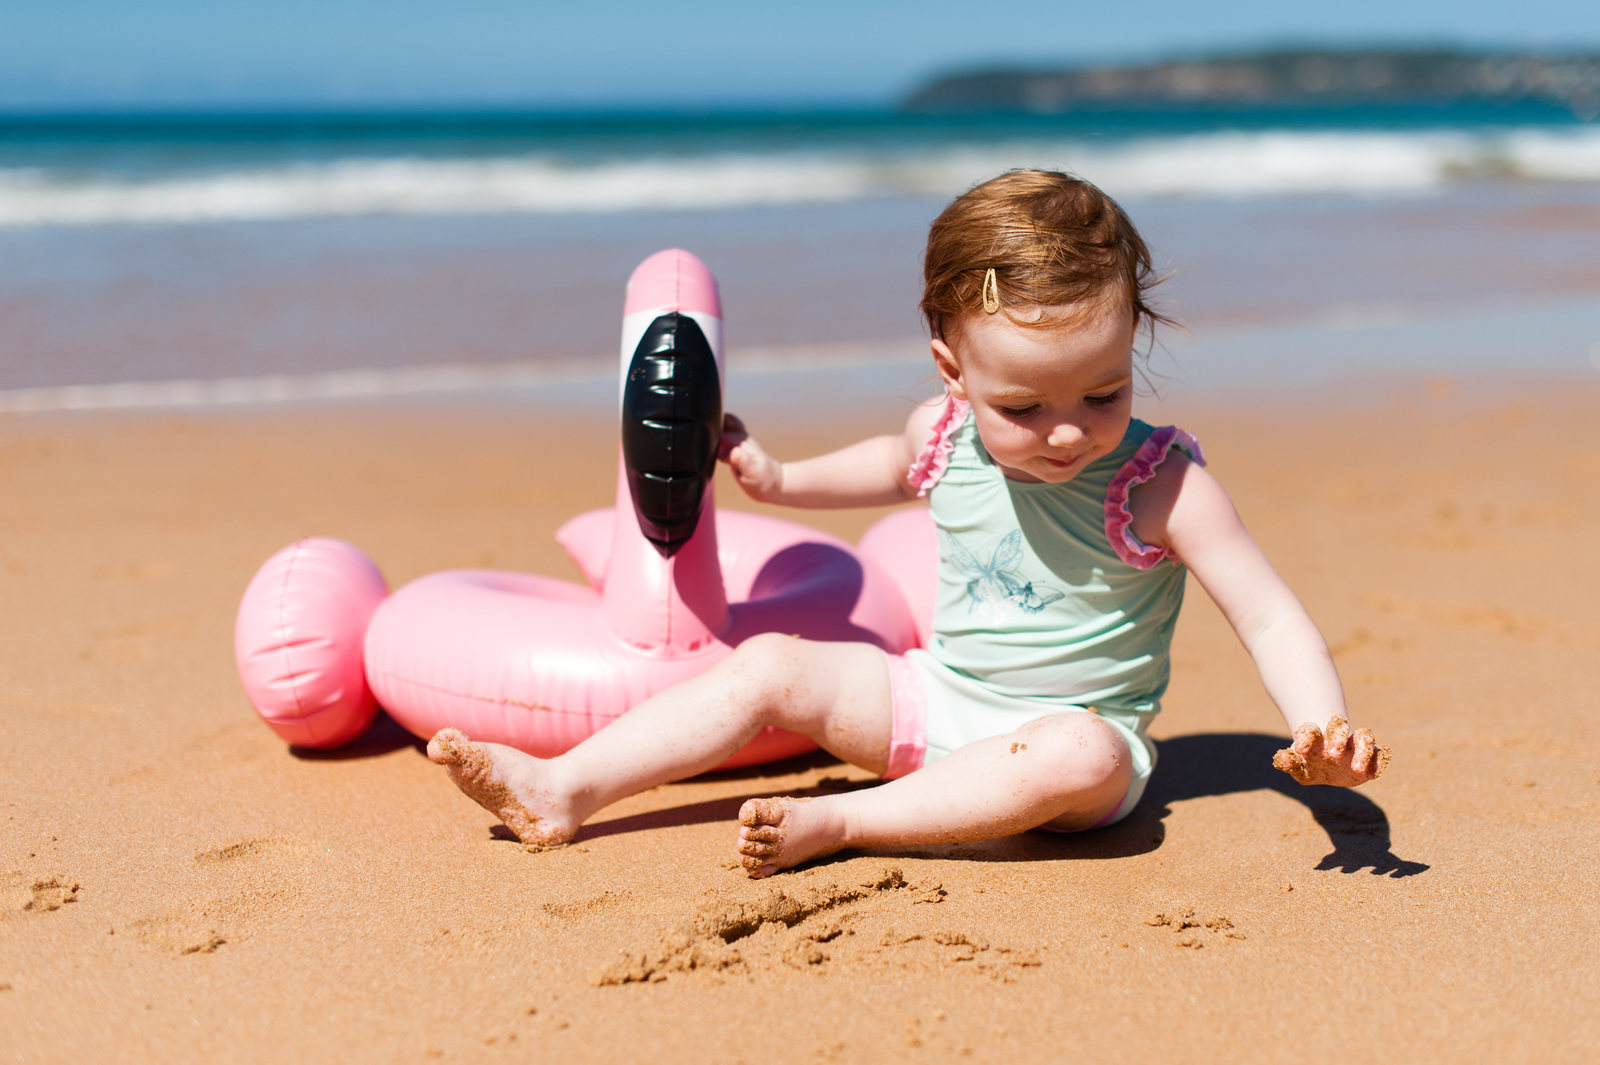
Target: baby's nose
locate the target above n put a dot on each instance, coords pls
(1066, 434)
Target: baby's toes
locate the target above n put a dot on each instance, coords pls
(757, 813)
(761, 833)
(445, 747)
(752, 848)
(758, 867)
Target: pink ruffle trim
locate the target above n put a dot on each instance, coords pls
(1137, 470)
(934, 458)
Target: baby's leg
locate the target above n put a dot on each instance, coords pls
(1068, 770)
(836, 693)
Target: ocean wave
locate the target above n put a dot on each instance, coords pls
(598, 372)
(1217, 164)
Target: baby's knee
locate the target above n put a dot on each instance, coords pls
(1091, 756)
(765, 663)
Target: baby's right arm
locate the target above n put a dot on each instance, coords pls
(869, 473)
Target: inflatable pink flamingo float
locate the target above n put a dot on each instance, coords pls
(674, 585)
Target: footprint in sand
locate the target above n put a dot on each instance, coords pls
(1361, 641)
(806, 924)
(1492, 619)
(959, 949)
(1192, 931)
(180, 930)
(575, 911)
(24, 894)
(205, 927)
(706, 941)
(246, 849)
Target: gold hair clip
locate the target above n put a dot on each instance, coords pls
(991, 292)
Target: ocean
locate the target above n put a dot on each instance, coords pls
(178, 259)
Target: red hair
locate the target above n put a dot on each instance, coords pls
(1052, 240)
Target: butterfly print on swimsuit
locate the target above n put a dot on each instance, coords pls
(998, 583)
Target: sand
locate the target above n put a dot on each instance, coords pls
(175, 884)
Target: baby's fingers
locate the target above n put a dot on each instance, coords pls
(1307, 741)
(1291, 761)
(1377, 757)
(1363, 747)
(733, 434)
(1338, 736)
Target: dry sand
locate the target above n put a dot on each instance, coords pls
(176, 885)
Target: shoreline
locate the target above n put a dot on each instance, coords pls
(1366, 354)
(848, 376)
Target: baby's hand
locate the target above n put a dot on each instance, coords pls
(758, 473)
(1341, 758)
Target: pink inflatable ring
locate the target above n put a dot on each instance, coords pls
(673, 585)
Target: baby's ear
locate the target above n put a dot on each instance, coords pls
(949, 369)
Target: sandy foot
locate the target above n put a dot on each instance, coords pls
(780, 833)
(508, 783)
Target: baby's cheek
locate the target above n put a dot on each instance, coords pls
(1003, 439)
(1110, 433)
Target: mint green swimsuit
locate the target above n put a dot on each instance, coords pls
(1046, 601)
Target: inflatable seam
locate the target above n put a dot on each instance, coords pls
(489, 700)
(293, 675)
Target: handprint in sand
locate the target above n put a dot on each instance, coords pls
(1341, 757)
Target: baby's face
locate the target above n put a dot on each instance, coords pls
(1047, 401)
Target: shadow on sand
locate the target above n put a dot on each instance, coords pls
(385, 736)
(1190, 767)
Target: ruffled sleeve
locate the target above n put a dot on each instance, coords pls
(934, 458)
(1137, 470)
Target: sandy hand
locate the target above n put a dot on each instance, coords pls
(758, 473)
(1341, 758)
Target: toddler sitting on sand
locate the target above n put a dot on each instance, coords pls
(1066, 528)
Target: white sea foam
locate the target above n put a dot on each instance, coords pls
(1555, 155)
(1219, 164)
(287, 388)
(429, 380)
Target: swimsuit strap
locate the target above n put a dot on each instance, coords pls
(934, 458)
(1137, 470)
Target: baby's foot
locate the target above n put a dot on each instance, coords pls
(781, 833)
(509, 784)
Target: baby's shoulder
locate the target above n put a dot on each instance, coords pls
(927, 416)
(1160, 489)
(1150, 486)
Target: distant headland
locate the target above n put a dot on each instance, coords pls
(1292, 76)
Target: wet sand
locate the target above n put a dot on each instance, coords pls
(175, 884)
(100, 305)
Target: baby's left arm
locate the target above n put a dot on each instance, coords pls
(1186, 511)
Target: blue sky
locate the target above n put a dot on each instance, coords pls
(187, 53)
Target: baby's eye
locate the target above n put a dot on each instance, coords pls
(1103, 400)
(1019, 412)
